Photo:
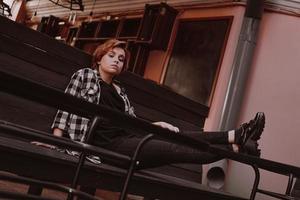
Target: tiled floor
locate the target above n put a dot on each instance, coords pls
(20, 188)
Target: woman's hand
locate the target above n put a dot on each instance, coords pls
(167, 126)
(43, 144)
(56, 132)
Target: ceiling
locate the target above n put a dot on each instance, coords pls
(46, 8)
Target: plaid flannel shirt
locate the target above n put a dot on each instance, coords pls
(85, 83)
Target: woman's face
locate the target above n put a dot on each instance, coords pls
(112, 62)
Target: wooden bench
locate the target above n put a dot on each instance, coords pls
(34, 56)
(38, 57)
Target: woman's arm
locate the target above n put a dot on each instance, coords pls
(58, 132)
(61, 118)
(60, 121)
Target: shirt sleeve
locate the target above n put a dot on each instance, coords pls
(73, 88)
(131, 111)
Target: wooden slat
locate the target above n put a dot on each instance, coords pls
(36, 56)
(26, 113)
(191, 172)
(17, 66)
(43, 42)
(152, 114)
(134, 81)
(164, 105)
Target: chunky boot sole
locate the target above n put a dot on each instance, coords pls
(251, 148)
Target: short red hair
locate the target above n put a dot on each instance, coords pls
(102, 49)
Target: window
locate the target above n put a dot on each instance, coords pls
(196, 57)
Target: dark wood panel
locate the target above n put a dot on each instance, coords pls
(26, 113)
(148, 99)
(156, 25)
(155, 115)
(41, 41)
(28, 70)
(185, 171)
(134, 81)
(36, 56)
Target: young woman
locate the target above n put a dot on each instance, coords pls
(98, 85)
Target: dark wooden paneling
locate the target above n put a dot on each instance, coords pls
(34, 72)
(154, 115)
(132, 80)
(26, 113)
(148, 94)
(37, 56)
(151, 101)
(191, 172)
(43, 42)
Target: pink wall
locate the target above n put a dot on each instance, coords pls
(273, 87)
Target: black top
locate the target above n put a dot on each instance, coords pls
(107, 133)
(109, 97)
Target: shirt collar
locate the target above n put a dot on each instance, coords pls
(97, 74)
(100, 79)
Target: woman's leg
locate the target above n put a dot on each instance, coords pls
(220, 137)
(251, 130)
(158, 152)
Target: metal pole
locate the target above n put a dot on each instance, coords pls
(256, 182)
(241, 65)
(290, 184)
(82, 156)
(133, 164)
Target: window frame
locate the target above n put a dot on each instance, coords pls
(221, 56)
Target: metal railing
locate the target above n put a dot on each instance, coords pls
(55, 98)
(25, 132)
(49, 185)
